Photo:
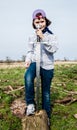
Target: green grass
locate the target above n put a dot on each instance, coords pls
(62, 117)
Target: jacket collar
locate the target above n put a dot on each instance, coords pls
(47, 30)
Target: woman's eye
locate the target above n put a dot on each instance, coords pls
(41, 21)
(37, 22)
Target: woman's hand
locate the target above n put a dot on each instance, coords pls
(39, 33)
(27, 64)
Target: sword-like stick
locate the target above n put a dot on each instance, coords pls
(38, 53)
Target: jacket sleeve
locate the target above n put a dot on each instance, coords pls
(29, 51)
(50, 43)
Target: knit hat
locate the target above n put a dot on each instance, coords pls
(34, 16)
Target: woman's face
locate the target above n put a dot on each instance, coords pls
(40, 23)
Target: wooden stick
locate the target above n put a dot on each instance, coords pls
(13, 90)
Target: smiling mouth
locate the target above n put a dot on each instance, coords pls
(42, 27)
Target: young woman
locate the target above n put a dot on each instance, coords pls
(48, 43)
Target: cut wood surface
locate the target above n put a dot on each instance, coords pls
(39, 121)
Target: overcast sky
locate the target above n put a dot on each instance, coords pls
(16, 26)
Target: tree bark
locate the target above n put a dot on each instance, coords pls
(38, 121)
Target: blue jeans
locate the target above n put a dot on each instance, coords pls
(46, 78)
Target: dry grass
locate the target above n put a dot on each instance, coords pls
(22, 64)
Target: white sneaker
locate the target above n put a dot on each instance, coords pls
(30, 109)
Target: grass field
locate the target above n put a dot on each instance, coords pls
(63, 96)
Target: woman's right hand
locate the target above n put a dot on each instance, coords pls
(27, 64)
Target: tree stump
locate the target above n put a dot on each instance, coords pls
(38, 121)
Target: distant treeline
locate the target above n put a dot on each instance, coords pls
(9, 60)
